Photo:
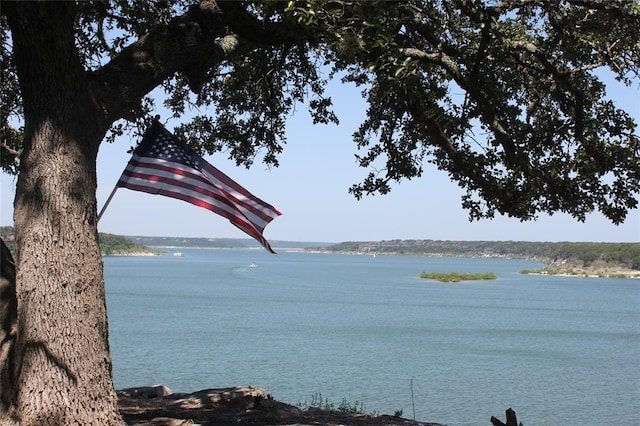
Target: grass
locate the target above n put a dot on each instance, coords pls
(317, 401)
(455, 277)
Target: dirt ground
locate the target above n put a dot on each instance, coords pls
(152, 406)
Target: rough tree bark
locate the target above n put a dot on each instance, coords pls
(64, 373)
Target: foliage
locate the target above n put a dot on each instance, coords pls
(627, 254)
(506, 97)
(10, 108)
(112, 245)
(456, 277)
(352, 409)
(319, 402)
(6, 232)
(531, 131)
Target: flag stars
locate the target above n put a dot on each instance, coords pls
(168, 150)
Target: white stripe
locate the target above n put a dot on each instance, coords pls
(216, 186)
(172, 188)
(241, 197)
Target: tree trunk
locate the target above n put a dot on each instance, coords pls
(64, 375)
(63, 368)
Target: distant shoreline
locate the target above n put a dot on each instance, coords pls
(575, 272)
(134, 254)
(572, 259)
(585, 273)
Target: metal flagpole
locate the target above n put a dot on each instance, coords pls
(115, 188)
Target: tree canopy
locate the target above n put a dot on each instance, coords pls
(507, 97)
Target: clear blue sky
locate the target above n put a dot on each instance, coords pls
(310, 189)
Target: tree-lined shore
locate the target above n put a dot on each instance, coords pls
(595, 259)
(619, 260)
(110, 244)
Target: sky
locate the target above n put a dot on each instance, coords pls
(310, 188)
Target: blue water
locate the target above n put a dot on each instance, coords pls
(360, 328)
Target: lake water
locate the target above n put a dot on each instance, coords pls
(557, 350)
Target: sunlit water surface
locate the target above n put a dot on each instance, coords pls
(368, 329)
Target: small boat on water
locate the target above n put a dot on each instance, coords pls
(178, 254)
(253, 265)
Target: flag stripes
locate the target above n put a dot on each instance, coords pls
(164, 165)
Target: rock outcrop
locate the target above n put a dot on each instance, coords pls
(157, 406)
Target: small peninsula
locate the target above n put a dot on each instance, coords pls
(117, 245)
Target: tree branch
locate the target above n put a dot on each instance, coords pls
(451, 66)
(261, 32)
(192, 44)
(7, 150)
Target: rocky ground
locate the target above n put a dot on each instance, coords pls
(157, 406)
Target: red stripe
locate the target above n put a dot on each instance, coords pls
(226, 180)
(166, 167)
(155, 179)
(245, 226)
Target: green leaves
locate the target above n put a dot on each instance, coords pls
(531, 131)
(506, 98)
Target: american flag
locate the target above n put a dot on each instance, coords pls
(162, 164)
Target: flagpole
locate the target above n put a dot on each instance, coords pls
(115, 188)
